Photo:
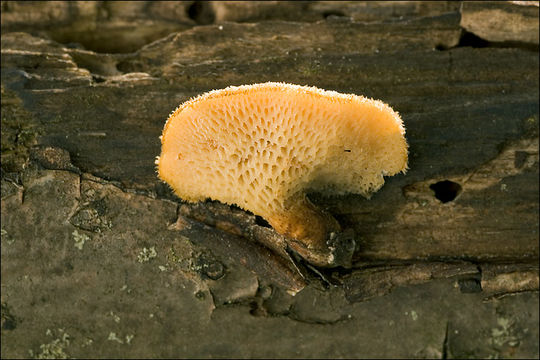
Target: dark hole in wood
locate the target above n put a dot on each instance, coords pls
(446, 190)
(468, 286)
(97, 79)
(201, 12)
(469, 39)
(336, 13)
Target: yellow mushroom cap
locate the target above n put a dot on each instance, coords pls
(263, 146)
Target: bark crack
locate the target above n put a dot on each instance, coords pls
(444, 351)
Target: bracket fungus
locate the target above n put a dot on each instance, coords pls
(263, 146)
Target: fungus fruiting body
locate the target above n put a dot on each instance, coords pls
(263, 146)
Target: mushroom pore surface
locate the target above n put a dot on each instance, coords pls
(263, 146)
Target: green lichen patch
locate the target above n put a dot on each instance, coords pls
(119, 339)
(504, 334)
(79, 239)
(114, 316)
(56, 348)
(146, 254)
(113, 337)
(90, 217)
(6, 238)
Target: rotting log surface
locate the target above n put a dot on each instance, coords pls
(100, 259)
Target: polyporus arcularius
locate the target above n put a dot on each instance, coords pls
(263, 146)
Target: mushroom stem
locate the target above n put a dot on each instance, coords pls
(310, 231)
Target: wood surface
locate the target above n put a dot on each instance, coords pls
(81, 126)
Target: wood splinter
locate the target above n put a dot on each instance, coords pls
(263, 146)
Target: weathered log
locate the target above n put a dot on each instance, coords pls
(87, 228)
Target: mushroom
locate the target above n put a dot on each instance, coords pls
(263, 146)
